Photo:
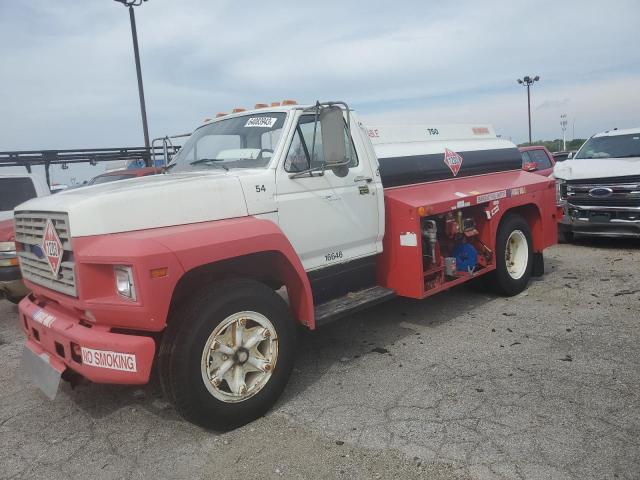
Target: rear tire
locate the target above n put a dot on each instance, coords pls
(514, 256)
(218, 364)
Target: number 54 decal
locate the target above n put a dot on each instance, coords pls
(260, 188)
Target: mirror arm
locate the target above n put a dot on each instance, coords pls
(321, 168)
(315, 129)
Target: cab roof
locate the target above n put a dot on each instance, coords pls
(617, 131)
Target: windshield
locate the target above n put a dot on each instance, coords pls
(616, 146)
(241, 142)
(14, 191)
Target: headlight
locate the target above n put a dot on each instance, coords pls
(124, 282)
(8, 256)
(559, 190)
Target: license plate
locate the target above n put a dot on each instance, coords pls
(38, 370)
(599, 218)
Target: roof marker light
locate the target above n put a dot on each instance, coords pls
(207, 120)
(261, 105)
(289, 102)
(238, 110)
(220, 114)
(275, 104)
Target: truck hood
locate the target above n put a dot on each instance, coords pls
(581, 169)
(146, 202)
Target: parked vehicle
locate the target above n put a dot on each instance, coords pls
(600, 186)
(116, 175)
(563, 155)
(181, 270)
(58, 187)
(18, 188)
(14, 189)
(537, 159)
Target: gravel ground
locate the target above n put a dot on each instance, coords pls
(464, 385)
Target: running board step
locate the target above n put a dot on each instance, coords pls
(350, 303)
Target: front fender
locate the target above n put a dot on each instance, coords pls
(206, 243)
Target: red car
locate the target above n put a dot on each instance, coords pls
(537, 159)
(124, 174)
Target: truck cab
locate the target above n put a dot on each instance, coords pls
(188, 271)
(599, 186)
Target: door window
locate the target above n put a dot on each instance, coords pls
(540, 158)
(302, 147)
(14, 191)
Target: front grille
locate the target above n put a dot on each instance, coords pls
(605, 181)
(29, 232)
(619, 192)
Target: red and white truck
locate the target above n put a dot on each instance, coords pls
(187, 272)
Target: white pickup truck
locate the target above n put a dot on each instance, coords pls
(600, 186)
(181, 271)
(14, 190)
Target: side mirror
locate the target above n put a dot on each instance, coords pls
(530, 166)
(570, 155)
(333, 139)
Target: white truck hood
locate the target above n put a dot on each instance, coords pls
(146, 202)
(582, 169)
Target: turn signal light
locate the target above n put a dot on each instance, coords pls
(289, 102)
(422, 211)
(237, 110)
(159, 272)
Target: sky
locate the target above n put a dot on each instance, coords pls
(67, 76)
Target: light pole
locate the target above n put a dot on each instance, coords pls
(134, 34)
(563, 125)
(527, 82)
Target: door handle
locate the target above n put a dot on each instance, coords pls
(362, 178)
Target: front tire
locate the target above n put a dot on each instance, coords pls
(514, 256)
(227, 354)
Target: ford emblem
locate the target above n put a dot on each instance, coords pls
(600, 192)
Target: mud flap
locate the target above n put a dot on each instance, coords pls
(38, 370)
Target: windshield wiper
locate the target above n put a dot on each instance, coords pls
(208, 160)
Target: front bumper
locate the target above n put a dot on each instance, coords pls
(601, 221)
(11, 285)
(95, 353)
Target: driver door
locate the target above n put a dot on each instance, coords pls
(330, 217)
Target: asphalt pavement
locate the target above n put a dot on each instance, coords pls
(464, 385)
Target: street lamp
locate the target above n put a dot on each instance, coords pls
(136, 53)
(528, 81)
(563, 125)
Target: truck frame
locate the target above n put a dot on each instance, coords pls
(204, 273)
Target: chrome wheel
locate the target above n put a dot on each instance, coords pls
(239, 356)
(516, 254)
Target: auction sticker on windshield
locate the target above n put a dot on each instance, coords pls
(265, 122)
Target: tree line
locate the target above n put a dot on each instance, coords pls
(556, 145)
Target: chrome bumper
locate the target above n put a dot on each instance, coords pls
(601, 221)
